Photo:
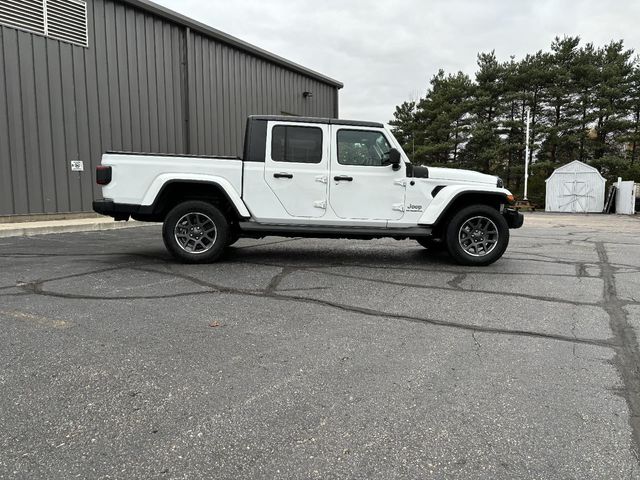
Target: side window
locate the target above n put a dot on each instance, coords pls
(296, 144)
(362, 147)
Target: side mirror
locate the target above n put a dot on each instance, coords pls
(394, 159)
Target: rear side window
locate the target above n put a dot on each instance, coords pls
(296, 144)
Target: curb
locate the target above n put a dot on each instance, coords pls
(77, 226)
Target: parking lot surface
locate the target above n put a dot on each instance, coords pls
(295, 358)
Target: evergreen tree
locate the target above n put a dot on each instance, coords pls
(586, 77)
(558, 106)
(483, 149)
(633, 137)
(443, 119)
(611, 100)
(403, 126)
(584, 103)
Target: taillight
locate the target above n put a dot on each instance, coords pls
(103, 175)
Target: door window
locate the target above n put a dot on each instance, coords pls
(296, 144)
(362, 147)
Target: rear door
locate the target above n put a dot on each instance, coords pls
(296, 167)
(362, 185)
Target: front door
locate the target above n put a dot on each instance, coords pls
(296, 167)
(362, 185)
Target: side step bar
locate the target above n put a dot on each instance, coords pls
(259, 230)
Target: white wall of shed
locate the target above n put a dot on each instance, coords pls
(586, 197)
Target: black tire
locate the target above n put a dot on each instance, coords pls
(201, 236)
(488, 247)
(432, 244)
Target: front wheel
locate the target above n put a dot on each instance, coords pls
(477, 235)
(195, 232)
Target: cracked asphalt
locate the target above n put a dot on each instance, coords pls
(322, 359)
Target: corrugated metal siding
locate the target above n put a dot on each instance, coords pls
(127, 91)
(227, 85)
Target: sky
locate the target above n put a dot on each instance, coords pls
(385, 52)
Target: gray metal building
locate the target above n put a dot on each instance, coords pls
(79, 78)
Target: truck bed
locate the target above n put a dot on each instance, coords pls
(138, 177)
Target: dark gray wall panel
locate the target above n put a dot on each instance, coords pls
(143, 84)
(30, 124)
(59, 153)
(121, 76)
(44, 140)
(111, 71)
(70, 122)
(228, 85)
(93, 105)
(6, 180)
(14, 114)
(82, 115)
(100, 49)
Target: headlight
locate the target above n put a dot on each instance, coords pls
(500, 183)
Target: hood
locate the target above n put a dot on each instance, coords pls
(463, 176)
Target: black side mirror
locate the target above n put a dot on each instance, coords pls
(394, 159)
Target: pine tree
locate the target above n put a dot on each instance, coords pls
(586, 77)
(483, 149)
(612, 118)
(403, 126)
(633, 136)
(584, 103)
(559, 108)
(443, 119)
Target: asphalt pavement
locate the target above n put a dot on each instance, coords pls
(296, 358)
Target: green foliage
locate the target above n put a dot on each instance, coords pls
(584, 102)
(612, 167)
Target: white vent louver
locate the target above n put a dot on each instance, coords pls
(67, 20)
(24, 14)
(64, 20)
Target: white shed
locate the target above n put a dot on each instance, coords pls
(575, 187)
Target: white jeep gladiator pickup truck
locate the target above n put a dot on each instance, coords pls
(309, 177)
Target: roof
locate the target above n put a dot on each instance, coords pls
(575, 167)
(332, 121)
(211, 32)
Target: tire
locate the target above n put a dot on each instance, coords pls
(195, 232)
(431, 244)
(477, 236)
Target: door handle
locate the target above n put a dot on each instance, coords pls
(283, 175)
(343, 178)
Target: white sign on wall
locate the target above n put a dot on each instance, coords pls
(77, 166)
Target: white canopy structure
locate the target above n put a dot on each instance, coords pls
(575, 187)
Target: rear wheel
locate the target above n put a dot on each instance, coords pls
(477, 235)
(195, 232)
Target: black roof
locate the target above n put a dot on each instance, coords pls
(211, 32)
(331, 121)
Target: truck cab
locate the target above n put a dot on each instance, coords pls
(309, 177)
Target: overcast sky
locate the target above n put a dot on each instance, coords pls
(385, 52)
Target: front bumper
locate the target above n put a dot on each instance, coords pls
(514, 218)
